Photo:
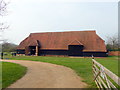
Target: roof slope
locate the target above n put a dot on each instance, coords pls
(60, 40)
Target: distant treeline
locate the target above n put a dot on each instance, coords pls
(8, 47)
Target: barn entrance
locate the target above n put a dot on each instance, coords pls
(75, 50)
(32, 50)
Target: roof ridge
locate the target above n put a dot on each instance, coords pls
(64, 31)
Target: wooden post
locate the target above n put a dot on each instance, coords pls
(36, 51)
(27, 50)
(101, 75)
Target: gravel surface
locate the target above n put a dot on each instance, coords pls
(46, 75)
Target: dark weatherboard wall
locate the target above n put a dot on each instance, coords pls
(67, 53)
(75, 50)
(95, 54)
(20, 51)
(53, 52)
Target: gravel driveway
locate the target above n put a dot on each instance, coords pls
(46, 75)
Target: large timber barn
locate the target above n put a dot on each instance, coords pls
(72, 43)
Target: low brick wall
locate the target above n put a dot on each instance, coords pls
(114, 53)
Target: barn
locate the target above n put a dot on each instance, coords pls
(70, 43)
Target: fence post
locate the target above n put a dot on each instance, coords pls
(101, 75)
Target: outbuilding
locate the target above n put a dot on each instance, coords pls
(71, 43)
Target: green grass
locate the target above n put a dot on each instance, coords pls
(11, 72)
(0, 75)
(82, 66)
(110, 63)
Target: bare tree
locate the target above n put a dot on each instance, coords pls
(112, 42)
(3, 7)
(3, 12)
(3, 26)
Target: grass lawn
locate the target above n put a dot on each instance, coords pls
(0, 75)
(110, 63)
(11, 72)
(82, 66)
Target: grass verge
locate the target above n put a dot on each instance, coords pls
(11, 72)
(110, 63)
(82, 66)
(0, 75)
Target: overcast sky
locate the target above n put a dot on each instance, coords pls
(31, 16)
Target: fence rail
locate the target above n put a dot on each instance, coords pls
(103, 76)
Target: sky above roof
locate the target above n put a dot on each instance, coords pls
(31, 16)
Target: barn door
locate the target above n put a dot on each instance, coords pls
(75, 50)
(32, 50)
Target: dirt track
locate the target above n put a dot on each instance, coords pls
(46, 75)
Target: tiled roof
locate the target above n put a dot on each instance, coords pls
(60, 40)
(75, 42)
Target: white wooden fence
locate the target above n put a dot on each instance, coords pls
(103, 77)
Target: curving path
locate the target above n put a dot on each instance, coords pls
(46, 75)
